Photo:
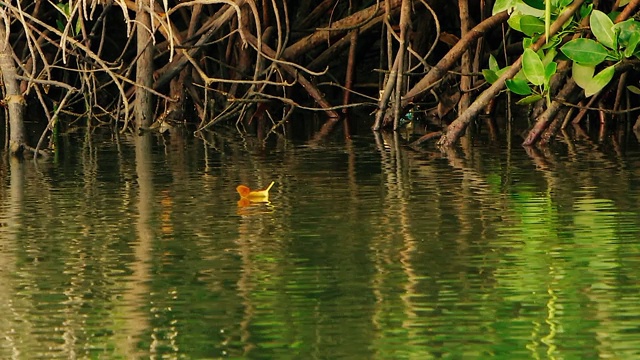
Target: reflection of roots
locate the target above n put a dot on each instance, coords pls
(166, 204)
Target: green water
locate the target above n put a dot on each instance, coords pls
(122, 249)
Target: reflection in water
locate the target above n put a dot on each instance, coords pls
(366, 249)
(136, 295)
(12, 329)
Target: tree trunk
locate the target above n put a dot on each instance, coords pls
(13, 96)
(144, 66)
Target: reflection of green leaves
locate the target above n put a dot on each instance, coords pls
(602, 29)
(585, 51)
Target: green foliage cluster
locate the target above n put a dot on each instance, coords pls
(606, 45)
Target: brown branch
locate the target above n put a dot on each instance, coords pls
(169, 71)
(320, 36)
(452, 57)
(13, 97)
(308, 86)
(144, 66)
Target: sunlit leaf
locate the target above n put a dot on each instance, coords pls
(489, 75)
(549, 56)
(582, 74)
(585, 51)
(549, 71)
(502, 5)
(602, 28)
(632, 44)
(532, 67)
(585, 10)
(564, 3)
(531, 25)
(600, 81)
(628, 32)
(520, 76)
(528, 10)
(493, 63)
(514, 20)
(518, 86)
(634, 89)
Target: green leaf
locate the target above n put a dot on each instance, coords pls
(64, 8)
(519, 87)
(502, 5)
(564, 3)
(553, 42)
(585, 10)
(525, 9)
(536, 4)
(632, 45)
(490, 76)
(585, 51)
(549, 56)
(493, 63)
(531, 25)
(514, 20)
(529, 99)
(602, 28)
(532, 67)
(78, 26)
(600, 81)
(60, 25)
(634, 89)
(582, 74)
(549, 71)
(520, 76)
(626, 29)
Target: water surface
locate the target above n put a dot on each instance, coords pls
(129, 248)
